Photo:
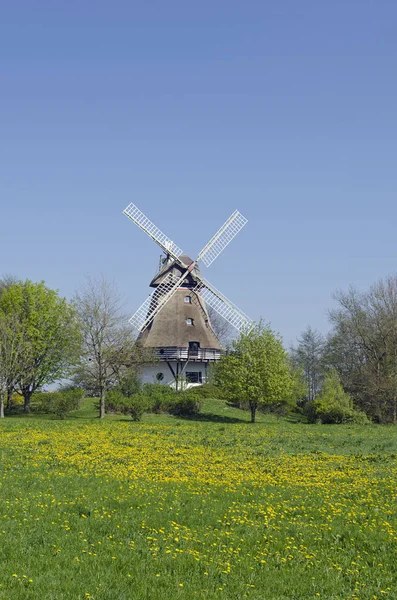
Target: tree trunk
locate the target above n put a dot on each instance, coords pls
(9, 399)
(253, 412)
(27, 394)
(1, 405)
(102, 404)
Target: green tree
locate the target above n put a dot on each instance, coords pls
(5, 282)
(51, 335)
(362, 347)
(12, 347)
(256, 370)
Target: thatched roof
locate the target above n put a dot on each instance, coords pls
(172, 267)
(170, 329)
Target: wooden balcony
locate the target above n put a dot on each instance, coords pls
(183, 354)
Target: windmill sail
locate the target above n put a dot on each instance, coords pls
(222, 238)
(224, 307)
(137, 216)
(155, 302)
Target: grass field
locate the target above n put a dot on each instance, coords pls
(208, 508)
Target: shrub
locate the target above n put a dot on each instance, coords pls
(309, 410)
(155, 398)
(332, 414)
(360, 418)
(59, 403)
(134, 405)
(185, 404)
(75, 395)
(129, 385)
(333, 405)
(158, 396)
(16, 400)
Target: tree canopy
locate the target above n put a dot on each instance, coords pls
(51, 337)
(363, 347)
(12, 349)
(256, 370)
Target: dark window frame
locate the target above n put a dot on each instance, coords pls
(194, 348)
(194, 376)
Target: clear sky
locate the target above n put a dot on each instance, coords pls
(285, 110)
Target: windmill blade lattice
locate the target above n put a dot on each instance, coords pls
(152, 231)
(224, 307)
(222, 238)
(155, 302)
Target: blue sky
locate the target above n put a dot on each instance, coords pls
(284, 110)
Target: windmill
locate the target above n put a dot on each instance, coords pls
(174, 319)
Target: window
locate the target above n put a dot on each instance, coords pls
(188, 299)
(194, 347)
(194, 377)
(160, 376)
(189, 321)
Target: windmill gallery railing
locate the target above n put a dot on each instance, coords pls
(200, 355)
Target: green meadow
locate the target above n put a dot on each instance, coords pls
(209, 508)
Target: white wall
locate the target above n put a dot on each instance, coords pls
(149, 372)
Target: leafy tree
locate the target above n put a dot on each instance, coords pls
(50, 332)
(256, 371)
(5, 282)
(363, 347)
(12, 347)
(309, 356)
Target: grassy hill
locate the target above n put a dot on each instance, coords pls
(213, 507)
